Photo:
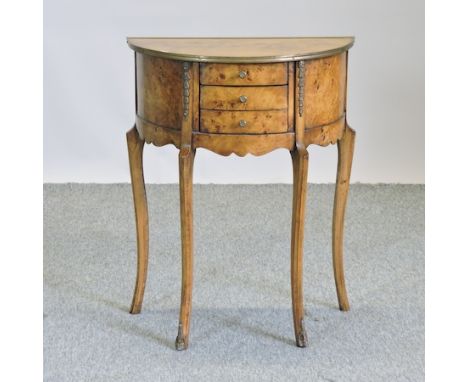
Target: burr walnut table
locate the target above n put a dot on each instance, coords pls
(241, 96)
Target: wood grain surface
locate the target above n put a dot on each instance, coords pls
(244, 74)
(325, 90)
(243, 144)
(159, 91)
(241, 50)
(258, 97)
(158, 135)
(326, 134)
(244, 122)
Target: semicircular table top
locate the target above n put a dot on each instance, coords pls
(241, 50)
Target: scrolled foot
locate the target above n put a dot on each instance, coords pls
(344, 306)
(181, 342)
(301, 339)
(135, 309)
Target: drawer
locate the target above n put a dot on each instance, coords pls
(244, 74)
(244, 122)
(244, 98)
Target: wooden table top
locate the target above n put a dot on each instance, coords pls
(245, 50)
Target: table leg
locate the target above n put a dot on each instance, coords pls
(300, 159)
(345, 159)
(186, 159)
(135, 154)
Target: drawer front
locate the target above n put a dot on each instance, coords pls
(244, 122)
(244, 74)
(244, 98)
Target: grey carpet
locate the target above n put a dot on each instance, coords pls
(242, 322)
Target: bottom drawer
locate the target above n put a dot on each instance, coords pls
(244, 122)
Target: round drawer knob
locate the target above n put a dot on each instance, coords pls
(243, 98)
(242, 123)
(242, 74)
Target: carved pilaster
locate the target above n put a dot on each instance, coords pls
(301, 87)
(186, 99)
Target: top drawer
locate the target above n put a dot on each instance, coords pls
(244, 74)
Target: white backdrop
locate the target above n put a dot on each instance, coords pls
(89, 100)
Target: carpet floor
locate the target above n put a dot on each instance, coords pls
(241, 327)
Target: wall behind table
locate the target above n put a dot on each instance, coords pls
(89, 85)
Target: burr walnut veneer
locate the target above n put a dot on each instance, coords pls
(241, 96)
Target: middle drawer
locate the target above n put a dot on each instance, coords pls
(243, 122)
(244, 98)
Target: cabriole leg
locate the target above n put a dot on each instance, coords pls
(300, 159)
(135, 154)
(345, 159)
(186, 159)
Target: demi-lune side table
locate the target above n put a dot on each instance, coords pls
(241, 96)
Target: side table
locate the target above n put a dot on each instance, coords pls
(241, 95)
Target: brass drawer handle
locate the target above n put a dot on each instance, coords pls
(243, 98)
(242, 123)
(242, 74)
